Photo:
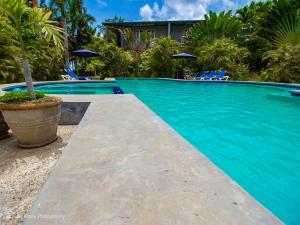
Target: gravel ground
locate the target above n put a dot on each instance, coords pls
(23, 173)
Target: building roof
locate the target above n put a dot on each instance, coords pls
(150, 23)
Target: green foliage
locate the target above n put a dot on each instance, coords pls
(9, 64)
(45, 61)
(283, 64)
(30, 23)
(114, 61)
(157, 60)
(252, 16)
(282, 24)
(136, 46)
(19, 96)
(78, 21)
(225, 54)
(287, 31)
(28, 32)
(213, 27)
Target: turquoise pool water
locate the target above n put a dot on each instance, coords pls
(74, 88)
(251, 132)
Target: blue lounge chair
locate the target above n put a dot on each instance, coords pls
(209, 76)
(203, 74)
(221, 76)
(74, 76)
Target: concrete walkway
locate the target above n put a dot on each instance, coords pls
(124, 165)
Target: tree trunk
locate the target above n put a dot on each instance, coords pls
(66, 44)
(28, 78)
(34, 3)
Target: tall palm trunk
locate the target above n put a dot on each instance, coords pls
(66, 44)
(35, 3)
(64, 25)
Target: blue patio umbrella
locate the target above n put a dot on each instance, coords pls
(183, 55)
(85, 53)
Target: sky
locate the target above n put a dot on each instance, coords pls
(136, 10)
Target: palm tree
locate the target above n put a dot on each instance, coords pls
(25, 20)
(282, 25)
(287, 31)
(214, 26)
(81, 30)
(75, 21)
(64, 6)
(252, 16)
(35, 3)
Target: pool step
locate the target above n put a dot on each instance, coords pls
(117, 90)
(295, 92)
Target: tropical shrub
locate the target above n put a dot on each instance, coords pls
(283, 64)
(213, 27)
(252, 17)
(157, 60)
(26, 25)
(75, 20)
(46, 62)
(113, 62)
(224, 54)
(136, 46)
(9, 64)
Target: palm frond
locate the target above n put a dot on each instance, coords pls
(214, 26)
(49, 29)
(287, 31)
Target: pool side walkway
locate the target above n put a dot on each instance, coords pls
(124, 165)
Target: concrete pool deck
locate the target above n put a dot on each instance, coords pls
(124, 165)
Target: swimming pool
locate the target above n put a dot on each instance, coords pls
(251, 132)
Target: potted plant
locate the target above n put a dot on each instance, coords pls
(32, 116)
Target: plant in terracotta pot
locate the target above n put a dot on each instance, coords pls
(32, 116)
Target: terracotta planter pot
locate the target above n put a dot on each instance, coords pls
(3, 128)
(33, 123)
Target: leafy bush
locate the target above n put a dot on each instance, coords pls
(283, 64)
(36, 39)
(114, 61)
(157, 60)
(224, 54)
(46, 62)
(9, 64)
(252, 16)
(19, 96)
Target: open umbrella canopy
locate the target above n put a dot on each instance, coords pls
(85, 53)
(184, 55)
